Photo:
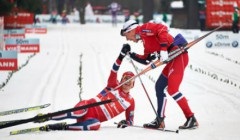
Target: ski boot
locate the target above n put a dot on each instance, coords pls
(41, 120)
(53, 127)
(191, 123)
(157, 123)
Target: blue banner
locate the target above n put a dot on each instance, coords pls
(14, 31)
(19, 41)
(8, 54)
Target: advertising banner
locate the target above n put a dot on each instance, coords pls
(14, 33)
(37, 29)
(8, 60)
(18, 20)
(219, 12)
(29, 45)
(223, 39)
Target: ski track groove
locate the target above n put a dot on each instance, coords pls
(54, 71)
(62, 62)
(216, 70)
(232, 60)
(99, 60)
(229, 97)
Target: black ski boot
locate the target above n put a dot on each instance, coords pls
(157, 123)
(56, 126)
(41, 120)
(191, 123)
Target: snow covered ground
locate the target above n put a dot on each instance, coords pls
(211, 85)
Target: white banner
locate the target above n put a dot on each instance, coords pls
(222, 39)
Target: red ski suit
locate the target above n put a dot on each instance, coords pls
(108, 111)
(155, 38)
(91, 118)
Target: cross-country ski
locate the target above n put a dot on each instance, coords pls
(10, 123)
(45, 128)
(26, 109)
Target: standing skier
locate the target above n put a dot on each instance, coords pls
(90, 119)
(235, 21)
(156, 39)
(114, 8)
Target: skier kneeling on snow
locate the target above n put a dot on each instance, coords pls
(91, 118)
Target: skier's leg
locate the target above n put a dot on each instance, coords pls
(158, 122)
(88, 124)
(69, 115)
(73, 115)
(175, 77)
(161, 96)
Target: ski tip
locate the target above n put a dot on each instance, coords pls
(177, 131)
(46, 105)
(12, 133)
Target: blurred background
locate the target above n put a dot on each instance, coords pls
(186, 14)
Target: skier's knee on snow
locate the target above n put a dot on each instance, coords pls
(92, 124)
(82, 112)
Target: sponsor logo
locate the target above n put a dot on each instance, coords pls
(235, 44)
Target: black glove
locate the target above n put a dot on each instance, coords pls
(145, 61)
(151, 57)
(125, 49)
(122, 124)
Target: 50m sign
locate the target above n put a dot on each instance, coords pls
(30, 45)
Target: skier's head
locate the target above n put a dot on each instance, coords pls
(128, 26)
(129, 31)
(130, 84)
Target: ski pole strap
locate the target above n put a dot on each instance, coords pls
(170, 47)
(153, 66)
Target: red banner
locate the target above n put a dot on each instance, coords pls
(36, 30)
(18, 20)
(219, 12)
(8, 64)
(24, 48)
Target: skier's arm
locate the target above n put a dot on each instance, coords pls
(142, 59)
(129, 113)
(112, 80)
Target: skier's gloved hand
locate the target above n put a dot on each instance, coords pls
(163, 55)
(125, 49)
(151, 57)
(122, 124)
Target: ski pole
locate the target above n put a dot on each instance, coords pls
(160, 129)
(143, 86)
